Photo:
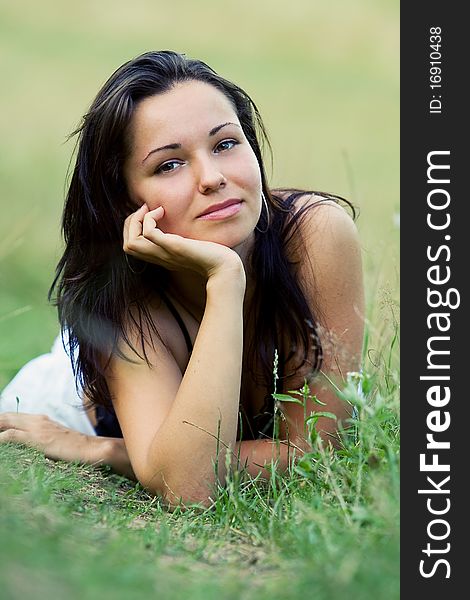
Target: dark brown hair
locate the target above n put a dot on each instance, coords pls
(99, 290)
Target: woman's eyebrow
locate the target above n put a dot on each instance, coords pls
(176, 146)
(217, 128)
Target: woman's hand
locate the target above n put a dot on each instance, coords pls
(60, 443)
(44, 434)
(144, 240)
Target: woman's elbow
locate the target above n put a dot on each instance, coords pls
(177, 491)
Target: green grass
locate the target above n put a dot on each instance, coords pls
(326, 529)
(325, 77)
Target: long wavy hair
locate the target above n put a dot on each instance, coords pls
(100, 291)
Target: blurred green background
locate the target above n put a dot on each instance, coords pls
(323, 74)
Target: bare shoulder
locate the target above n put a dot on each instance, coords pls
(328, 257)
(325, 214)
(325, 236)
(328, 231)
(320, 211)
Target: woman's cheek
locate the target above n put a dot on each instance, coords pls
(167, 225)
(154, 197)
(248, 169)
(172, 219)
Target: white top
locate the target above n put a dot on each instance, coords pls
(46, 386)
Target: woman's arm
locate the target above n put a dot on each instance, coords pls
(253, 456)
(176, 426)
(171, 422)
(330, 270)
(61, 443)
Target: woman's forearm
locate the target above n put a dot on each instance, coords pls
(58, 442)
(112, 452)
(251, 455)
(254, 455)
(96, 451)
(203, 419)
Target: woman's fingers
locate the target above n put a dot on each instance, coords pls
(150, 220)
(139, 229)
(17, 436)
(52, 438)
(136, 221)
(25, 428)
(21, 421)
(131, 225)
(144, 240)
(42, 433)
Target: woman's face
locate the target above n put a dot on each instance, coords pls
(188, 153)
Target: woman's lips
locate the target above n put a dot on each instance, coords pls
(222, 213)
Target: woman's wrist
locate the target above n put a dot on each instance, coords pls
(230, 275)
(112, 452)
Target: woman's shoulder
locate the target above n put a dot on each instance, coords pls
(297, 199)
(156, 327)
(324, 223)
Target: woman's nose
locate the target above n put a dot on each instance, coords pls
(210, 178)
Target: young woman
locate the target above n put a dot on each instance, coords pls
(183, 275)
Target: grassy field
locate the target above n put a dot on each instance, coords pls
(325, 78)
(327, 529)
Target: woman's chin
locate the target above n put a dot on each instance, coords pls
(244, 246)
(236, 239)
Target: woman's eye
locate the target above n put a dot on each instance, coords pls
(226, 145)
(167, 167)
